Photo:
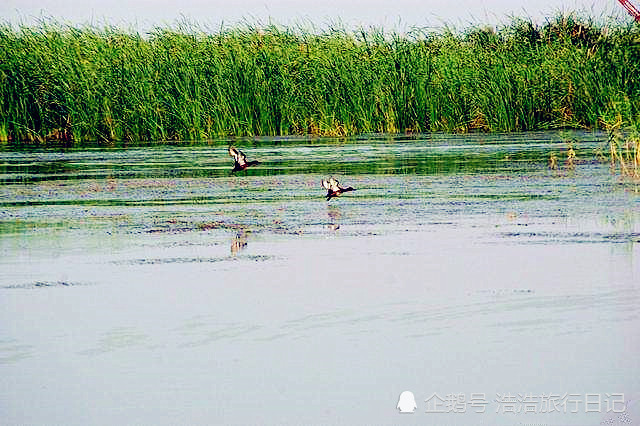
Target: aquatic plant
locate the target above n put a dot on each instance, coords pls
(623, 143)
(67, 84)
(625, 153)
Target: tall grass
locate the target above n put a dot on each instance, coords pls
(88, 84)
(624, 152)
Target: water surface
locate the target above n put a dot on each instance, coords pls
(150, 285)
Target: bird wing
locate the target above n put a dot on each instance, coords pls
(326, 185)
(334, 185)
(238, 156)
(233, 152)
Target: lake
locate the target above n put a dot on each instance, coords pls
(465, 281)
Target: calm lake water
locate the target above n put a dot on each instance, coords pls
(149, 285)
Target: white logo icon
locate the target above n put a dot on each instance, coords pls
(407, 402)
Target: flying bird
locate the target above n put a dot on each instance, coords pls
(333, 188)
(240, 160)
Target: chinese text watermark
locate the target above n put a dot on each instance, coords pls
(517, 403)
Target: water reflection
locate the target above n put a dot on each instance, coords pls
(334, 214)
(423, 154)
(239, 241)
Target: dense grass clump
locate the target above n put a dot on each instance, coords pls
(87, 84)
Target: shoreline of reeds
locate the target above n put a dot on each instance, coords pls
(75, 85)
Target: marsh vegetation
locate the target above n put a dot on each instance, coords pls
(61, 83)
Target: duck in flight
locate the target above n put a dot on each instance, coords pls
(240, 160)
(334, 189)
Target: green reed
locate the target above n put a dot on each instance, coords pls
(88, 84)
(624, 153)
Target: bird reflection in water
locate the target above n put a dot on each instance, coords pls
(239, 242)
(334, 214)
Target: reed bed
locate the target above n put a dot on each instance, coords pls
(73, 85)
(624, 154)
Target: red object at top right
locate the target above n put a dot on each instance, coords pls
(633, 11)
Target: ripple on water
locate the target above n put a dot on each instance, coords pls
(543, 237)
(45, 284)
(118, 339)
(507, 313)
(12, 351)
(173, 260)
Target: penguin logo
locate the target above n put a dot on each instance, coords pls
(407, 402)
